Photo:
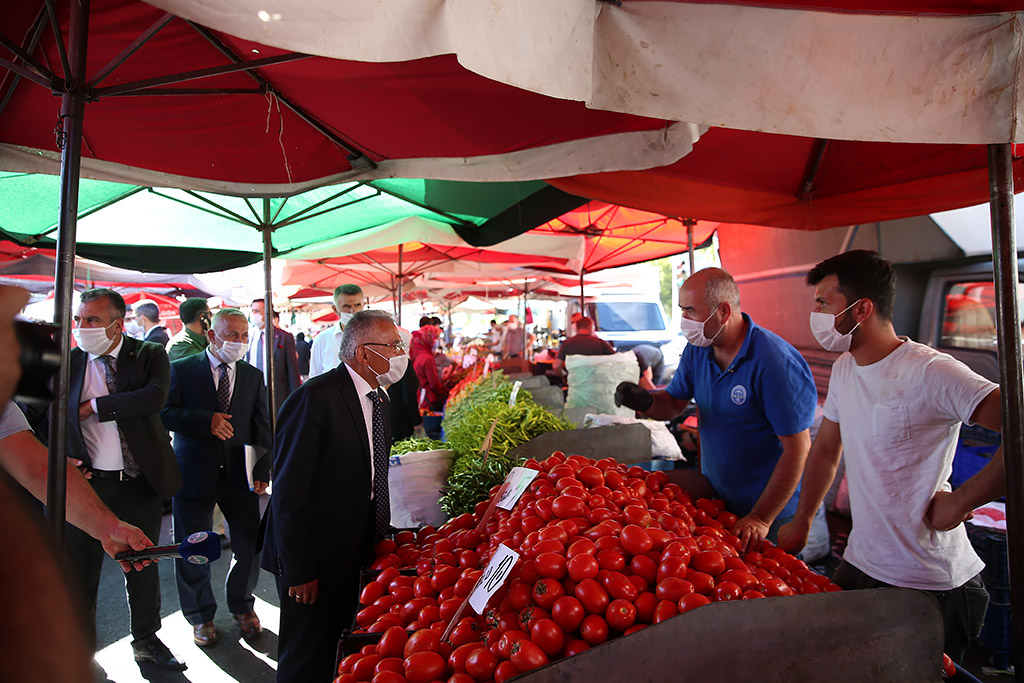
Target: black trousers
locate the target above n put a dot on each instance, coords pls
(308, 640)
(242, 512)
(963, 608)
(137, 503)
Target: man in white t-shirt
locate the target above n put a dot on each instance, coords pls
(895, 408)
(348, 300)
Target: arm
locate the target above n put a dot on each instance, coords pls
(665, 406)
(147, 399)
(753, 528)
(316, 368)
(25, 459)
(949, 508)
(176, 417)
(819, 472)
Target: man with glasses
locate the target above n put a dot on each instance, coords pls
(330, 502)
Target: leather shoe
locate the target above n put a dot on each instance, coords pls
(249, 623)
(205, 634)
(151, 650)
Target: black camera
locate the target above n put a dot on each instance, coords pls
(40, 360)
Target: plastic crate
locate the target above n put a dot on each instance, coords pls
(975, 435)
(350, 643)
(991, 548)
(969, 460)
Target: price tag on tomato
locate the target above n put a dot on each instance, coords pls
(493, 577)
(515, 392)
(515, 484)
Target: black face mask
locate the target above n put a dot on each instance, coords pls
(205, 321)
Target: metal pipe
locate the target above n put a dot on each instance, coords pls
(1011, 379)
(268, 313)
(689, 242)
(398, 305)
(72, 112)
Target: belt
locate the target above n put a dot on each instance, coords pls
(112, 475)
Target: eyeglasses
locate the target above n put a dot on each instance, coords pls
(398, 346)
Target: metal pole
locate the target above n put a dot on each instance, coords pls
(72, 112)
(268, 312)
(1011, 379)
(526, 289)
(582, 273)
(689, 242)
(398, 305)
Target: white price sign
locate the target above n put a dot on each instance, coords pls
(516, 482)
(515, 392)
(493, 577)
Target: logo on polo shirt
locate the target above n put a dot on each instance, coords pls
(738, 394)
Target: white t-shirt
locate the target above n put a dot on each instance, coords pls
(899, 419)
(323, 356)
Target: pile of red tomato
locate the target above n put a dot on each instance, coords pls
(605, 550)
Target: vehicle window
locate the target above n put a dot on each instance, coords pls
(626, 316)
(969, 318)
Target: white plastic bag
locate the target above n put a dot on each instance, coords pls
(415, 481)
(592, 381)
(663, 445)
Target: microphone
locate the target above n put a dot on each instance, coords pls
(201, 547)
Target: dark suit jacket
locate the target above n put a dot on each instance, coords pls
(190, 407)
(143, 379)
(286, 366)
(158, 335)
(319, 524)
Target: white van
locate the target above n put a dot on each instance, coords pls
(628, 320)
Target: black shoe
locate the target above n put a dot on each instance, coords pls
(153, 651)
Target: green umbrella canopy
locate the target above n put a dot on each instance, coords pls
(172, 230)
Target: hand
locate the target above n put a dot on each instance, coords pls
(632, 396)
(793, 536)
(752, 532)
(307, 593)
(258, 487)
(945, 513)
(12, 299)
(86, 472)
(84, 410)
(220, 427)
(125, 537)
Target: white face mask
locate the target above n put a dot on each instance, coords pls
(257, 320)
(344, 317)
(694, 331)
(92, 340)
(134, 329)
(397, 366)
(231, 352)
(823, 327)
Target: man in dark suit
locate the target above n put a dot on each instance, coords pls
(286, 359)
(118, 387)
(303, 348)
(330, 501)
(148, 315)
(217, 406)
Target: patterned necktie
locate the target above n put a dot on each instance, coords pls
(380, 466)
(223, 389)
(131, 468)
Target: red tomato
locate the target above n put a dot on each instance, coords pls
(702, 583)
(463, 634)
(531, 614)
(618, 586)
(505, 671)
(550, 565)
(621, 614)
(574, 647)
(363, 669)
(392, 643)
(583, 546)
(666, 609)
(389, 664)
(346, 664)
(582, 566)
(423, 640)
(589, 475)
(645, 604)
(672, 588)
(370, 593)
(548, 636)
(611, 560)
(645, 567)
(520, 596)
(774, 586)
(673, 565)
(708, 561)
(568, 612)
(635, 540)
(726, 590)
(527, 656)
(403, 537)
(593, 597)
(692, 601)
(594, 630)
(481, 663)
(546, 591)
(553, 533)
(510, 638)
(751, 595)
(368, 615)
(638, 515)
(744, 579)
(424, 667)
(389, 677)
(565, 506)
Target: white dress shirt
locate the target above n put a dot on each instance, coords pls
(323, 356)
(362, 389)
(215, 368)
(101, 438)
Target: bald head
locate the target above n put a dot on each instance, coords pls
(715, 287)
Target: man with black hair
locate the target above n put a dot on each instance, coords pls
(584, 343)
(894, 408)
(286, 359)
(148, 315)
(323, 357)
(194, 313)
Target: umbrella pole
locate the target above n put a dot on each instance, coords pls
(526, 289)
(582, 273)
(72, 112)
(398, 304)
(268, 313)
(689, 223)
(1011, 381)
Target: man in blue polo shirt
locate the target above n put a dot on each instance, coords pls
(756, 398)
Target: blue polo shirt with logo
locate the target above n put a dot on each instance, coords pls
(767, 391)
